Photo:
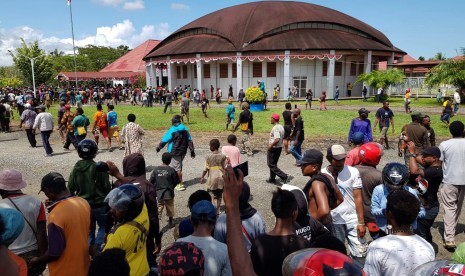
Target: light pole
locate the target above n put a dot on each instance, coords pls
(32, 68)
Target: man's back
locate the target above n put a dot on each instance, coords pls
(371, 177)
(72, 216)
(419, 135)
(397, 255)
(215, 253)
(452, 156)
(89, 184)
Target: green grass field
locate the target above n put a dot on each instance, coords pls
(333, 123)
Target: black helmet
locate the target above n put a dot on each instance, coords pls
(176, 119)
(87, 149)
(395, 175)
(126, 198)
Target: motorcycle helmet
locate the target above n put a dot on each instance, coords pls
(127, 198)
(87, 149)
(395, 175)
(370, 153)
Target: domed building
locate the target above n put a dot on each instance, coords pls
(279, 42)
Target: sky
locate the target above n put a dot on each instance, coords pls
(419, 27)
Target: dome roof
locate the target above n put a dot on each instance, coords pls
(273, 25)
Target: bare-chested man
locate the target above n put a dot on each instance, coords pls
(322, 194)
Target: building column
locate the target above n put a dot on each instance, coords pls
(168, 71)
(330, 78)
(148, 79)
(239, 72)
(199, 73)
(367, 62)
(287, 65)
(160, 75)
(390, 61)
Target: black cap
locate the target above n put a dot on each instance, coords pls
(432, 151)
(311, 156)
(52, 179)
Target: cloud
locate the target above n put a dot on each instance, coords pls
(179, 6)
(122, 33)
(113, 3)
(136, 5)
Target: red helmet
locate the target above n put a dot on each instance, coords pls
(370, 153)
(440, 268)
(320, 262)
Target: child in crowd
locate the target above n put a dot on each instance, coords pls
(165, 178)
(214, 163)
(230, 109)
(232, 153)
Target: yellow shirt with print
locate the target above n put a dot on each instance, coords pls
(133, 242)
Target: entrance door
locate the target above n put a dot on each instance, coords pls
(301, 84)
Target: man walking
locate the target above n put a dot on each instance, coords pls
(246, 123)
(101, 125)
(297, 136)
(385, 118)
(168, 101)
(453, 188)
(67, 123)
(44, 122)
(275, 146)
(179, 140)
(27, 119)
(113, 129)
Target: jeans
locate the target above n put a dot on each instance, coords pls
(357, 246)
(31, 137)
(97, 216)
(79, 138)
(456, 108)
(296, 150)
(425, 223)
(70, 139)
(45, 137)
(166, 107)
(272, 162)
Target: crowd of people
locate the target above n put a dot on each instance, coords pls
(115, 227)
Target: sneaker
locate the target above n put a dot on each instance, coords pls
(180, 187)
(269, 180)
(288, 179)
(450, 245)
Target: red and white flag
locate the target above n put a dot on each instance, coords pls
(69, 2)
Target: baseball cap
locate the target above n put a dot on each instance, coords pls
(363, 110)
(275, 116)
(311, 156)
(204, 210)
(67, 107)
(432, 151)
(52, 179)
(336, 152)
(357, 137)
(180, 258)
(418, 115)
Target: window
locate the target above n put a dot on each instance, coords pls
(338, 69)
(184, 71)
(325, 69)
(360, 68)
(223, 70)
(206, 71)
(353, 69)
(178, 72)
(234, 70)
(257, 69)
(271, 69)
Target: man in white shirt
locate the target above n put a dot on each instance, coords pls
(456, 101)
(402, 251)
(453, 183)
(44, 122)
(275, 147)
(203, 217)
(348, 218)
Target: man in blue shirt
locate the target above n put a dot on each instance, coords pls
(179, 140)
(113, 129)
(385, 117)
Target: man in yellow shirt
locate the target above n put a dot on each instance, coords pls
(130, 234)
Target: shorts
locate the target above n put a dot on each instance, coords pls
(308, 100)
(184, 110)
(287, 131)
(217, 193)
(383, 132)
(230, 121)
(176, 162)
(103, 131)
(169, 204)
(113, 131)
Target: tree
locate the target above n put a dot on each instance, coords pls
(382, 79)
(438, 56)
(448, 72)
(22, 59)
(421, 58)
(101, 56)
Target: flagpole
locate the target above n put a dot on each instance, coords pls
(74, 48)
